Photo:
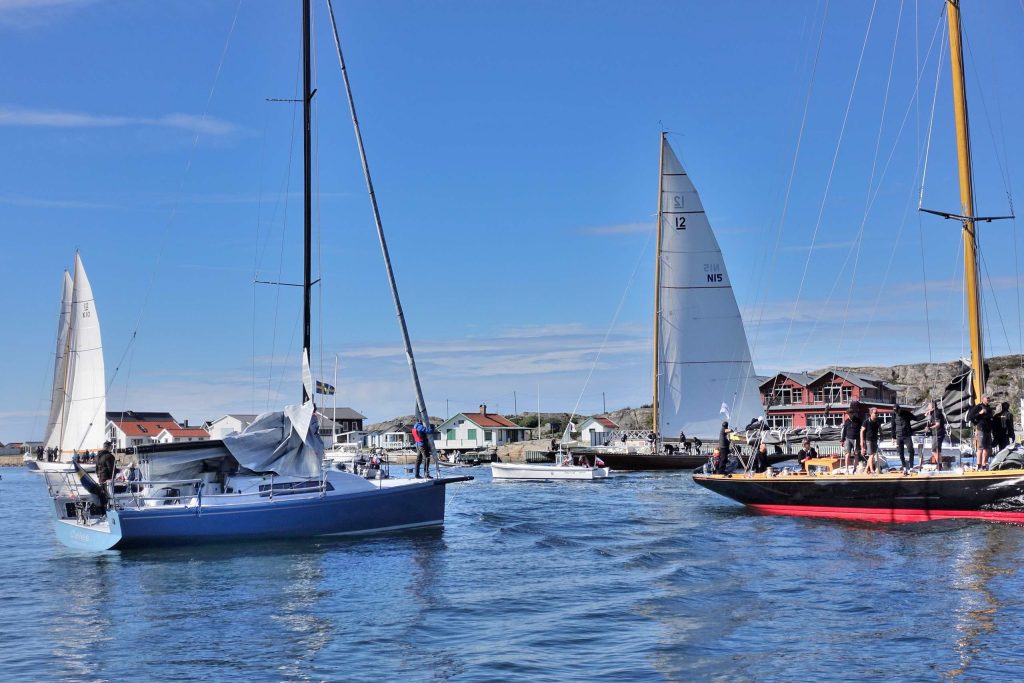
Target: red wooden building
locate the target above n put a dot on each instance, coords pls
(797, 399)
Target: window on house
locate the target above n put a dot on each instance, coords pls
(450, 435)
(488, 435)
(787, 395)
(780, 421)
(823, 420)
(471, 434)
(833, 393)
(143, 429)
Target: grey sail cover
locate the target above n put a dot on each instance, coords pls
(286, 443)
(704, 365)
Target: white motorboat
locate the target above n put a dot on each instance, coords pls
(562, 470)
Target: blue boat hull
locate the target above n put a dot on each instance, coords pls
(282, 517)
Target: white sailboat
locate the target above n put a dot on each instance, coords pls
(78, 399)
(702, 363)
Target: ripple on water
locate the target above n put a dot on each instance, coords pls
(642, 577)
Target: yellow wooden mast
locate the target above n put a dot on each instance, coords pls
(657, 289)
(963, 146)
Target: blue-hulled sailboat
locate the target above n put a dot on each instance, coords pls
(268, 482)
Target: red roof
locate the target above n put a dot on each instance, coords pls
(150, 429)
(607, 422)
(491, 420)
(180, 432)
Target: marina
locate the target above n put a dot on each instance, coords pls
(767, 431)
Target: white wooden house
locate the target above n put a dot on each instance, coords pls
(477, 431)
(229, 424)
(394, 436)
(595, 430)
(182, 434)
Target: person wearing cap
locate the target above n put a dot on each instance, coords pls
(105, 463)
(723, 448)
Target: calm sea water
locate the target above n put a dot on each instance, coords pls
(642, 577)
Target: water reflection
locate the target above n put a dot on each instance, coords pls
(976, 566)
(85, 590)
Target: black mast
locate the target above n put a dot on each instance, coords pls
(307, 232)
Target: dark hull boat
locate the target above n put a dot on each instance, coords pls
(893, 497)
(656, 461)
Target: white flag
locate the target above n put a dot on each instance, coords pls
(724, 410)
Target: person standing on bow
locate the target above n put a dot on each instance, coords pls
(937, 425)
(723, 448)
(105, 464)
(421, 437)
(869, 438)
(981, 417)
(850, 438)
(903, 434)
(1004, 426)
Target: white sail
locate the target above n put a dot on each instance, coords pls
(85, 407)
(55, 423)
(704, 358)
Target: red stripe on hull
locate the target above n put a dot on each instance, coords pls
(889, 515)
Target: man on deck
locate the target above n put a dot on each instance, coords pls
(421, 436)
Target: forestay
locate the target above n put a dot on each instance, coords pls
(704, 358)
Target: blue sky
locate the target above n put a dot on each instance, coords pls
(514, 147)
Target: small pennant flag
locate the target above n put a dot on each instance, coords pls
(324, 388)
(724, 410)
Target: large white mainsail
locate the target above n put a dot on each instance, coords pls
(703, 354)
(55, 423)
(85, 405)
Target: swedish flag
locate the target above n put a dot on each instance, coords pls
(324, 388)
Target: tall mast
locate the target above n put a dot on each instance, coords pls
(963, 147)
(307, 231)
(421, 404)
(657, 289)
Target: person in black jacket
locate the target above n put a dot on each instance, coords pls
(903, 433)
(937, 425)
(869, 438)
(1003, 426)
(850, 438)
(981, 417)
(807, 452)
(105, 464)
(723, 448)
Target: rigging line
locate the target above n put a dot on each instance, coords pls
(831, 173)
(921, 199)
(995, 300)
(319, 215)
(181, 185)
(868, 199)
(792, 175)
(906, 117)
(931, 121)
(1004, 174)
(284, 226)
(615, 317)
(256, 250)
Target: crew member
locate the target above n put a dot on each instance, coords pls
(1004, 425)
(723, 447)
(421, 436)
(869, 438)
(903, 433)
(981, 417)
(105, 464)
(937, 425)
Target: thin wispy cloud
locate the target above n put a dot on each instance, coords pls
(618, 229)
(206, 125)
(821, 246)
(32, 13)
(45, 202)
